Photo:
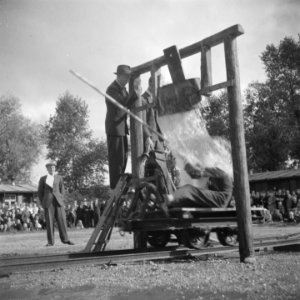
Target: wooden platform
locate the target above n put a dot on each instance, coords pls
(183, 218)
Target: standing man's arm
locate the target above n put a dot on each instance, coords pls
(62, 187)
(41, 190)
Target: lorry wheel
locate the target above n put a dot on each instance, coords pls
(158, 239)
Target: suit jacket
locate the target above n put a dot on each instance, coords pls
(115, 121)
(46, 193)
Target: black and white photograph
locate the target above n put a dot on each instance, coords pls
(150, 149)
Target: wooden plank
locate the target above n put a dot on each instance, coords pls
(216, 87)
(206, 71)
(237, 136)
(137, 149)
(211, 41)
(136, 137)
(174, 64)
(156, 76)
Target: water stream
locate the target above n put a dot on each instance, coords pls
(189, 140)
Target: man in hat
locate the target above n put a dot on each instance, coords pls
(51, 196)
(116, 127)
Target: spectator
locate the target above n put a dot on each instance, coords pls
(257, 199)
(97, 212)
(79, 225)
(291, 205)
(79, 214)
(71, 215)
(51, 195)
(86, 214)
(18, 225)
(25, 214)
(10, 224)
(37, 225)
(35, 210)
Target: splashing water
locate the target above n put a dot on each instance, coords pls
(189, 140)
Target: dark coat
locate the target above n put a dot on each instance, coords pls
(45, 193)
(115, 122)
(150, 117)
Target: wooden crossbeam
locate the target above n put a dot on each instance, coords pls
(216, 87)
(214, 40)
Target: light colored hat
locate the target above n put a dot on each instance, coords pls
(51, 163)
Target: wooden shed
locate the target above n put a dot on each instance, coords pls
(283, 179)
(17, 193)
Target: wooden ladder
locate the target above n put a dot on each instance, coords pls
(102, 232)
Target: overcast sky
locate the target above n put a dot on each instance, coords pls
(41, 40)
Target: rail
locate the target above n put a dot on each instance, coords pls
(31, 263)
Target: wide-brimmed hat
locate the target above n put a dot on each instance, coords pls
(123, 70)
(51, 163)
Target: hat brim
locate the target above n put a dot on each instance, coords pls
(50, 164)
(116, 73)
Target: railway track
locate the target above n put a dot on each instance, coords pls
(31, 263)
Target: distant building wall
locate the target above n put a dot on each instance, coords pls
(278, 183)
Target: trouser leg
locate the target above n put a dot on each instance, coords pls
(117, 147)
(49, 216)
(60, 216)
(191, 196)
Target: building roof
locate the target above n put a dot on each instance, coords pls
(275, 175)
(18, 188)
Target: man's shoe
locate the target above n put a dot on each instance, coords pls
(69, 243)
(49, 245)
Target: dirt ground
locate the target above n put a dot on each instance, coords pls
(274, 275)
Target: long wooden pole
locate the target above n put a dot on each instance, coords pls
(241, 181)
(137, 149)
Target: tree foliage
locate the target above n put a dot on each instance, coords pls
(272, 131)
(20, 141)
(216, 115)
(80, 158)
(267, 143)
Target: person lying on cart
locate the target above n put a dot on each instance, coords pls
(218, 192)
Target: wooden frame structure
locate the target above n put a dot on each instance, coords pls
(226, 37)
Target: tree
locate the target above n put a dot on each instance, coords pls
(272, 133)
(80, 158)
(20, 141)
(216, 116)
(267, 144)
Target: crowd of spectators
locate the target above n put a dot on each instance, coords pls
(30, 216)
(281, 205)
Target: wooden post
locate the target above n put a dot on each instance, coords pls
(206, 74)
(241, 182)
(137, 148)
(155, 74)
(174, 64)
(136, 136)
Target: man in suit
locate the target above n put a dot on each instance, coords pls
(51, 196)
(116, 127)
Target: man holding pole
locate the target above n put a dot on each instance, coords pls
(116, 124)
